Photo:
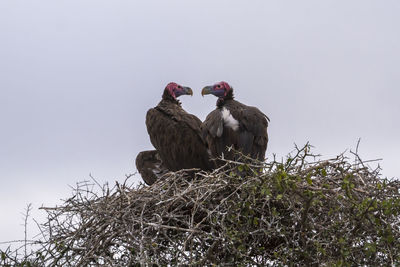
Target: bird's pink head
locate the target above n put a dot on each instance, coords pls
(176, 90)
(220, 89)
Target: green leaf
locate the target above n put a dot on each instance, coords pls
(370, 248)
(379, 186)
(255, 221)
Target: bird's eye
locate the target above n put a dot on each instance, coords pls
(219, 86)
(179, 87)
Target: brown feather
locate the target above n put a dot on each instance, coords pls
(176, 136)
(251, 137)
(150, 166)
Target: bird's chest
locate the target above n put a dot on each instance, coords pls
(228, 120)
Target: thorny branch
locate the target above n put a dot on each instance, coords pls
(303, 209)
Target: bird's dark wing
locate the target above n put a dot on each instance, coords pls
(212, 130)
(250, 137)
(176, 136)
(150, 166)
(219, 137)
(253, 136)
(213, 124)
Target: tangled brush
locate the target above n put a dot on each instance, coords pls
(300, 211)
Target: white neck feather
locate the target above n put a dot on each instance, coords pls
(229, 120)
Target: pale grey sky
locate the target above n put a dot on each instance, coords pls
(77, 77)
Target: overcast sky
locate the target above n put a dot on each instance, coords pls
(77, 78)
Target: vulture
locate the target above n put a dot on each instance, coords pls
(233, 124)
(176, 136)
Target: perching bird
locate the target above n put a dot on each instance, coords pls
(233, 124)
(176, 134)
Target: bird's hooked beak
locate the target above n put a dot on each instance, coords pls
(188, 91)
(206, 90)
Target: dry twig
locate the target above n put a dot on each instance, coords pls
(303, 210)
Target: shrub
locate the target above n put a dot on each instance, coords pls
(301, 211)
